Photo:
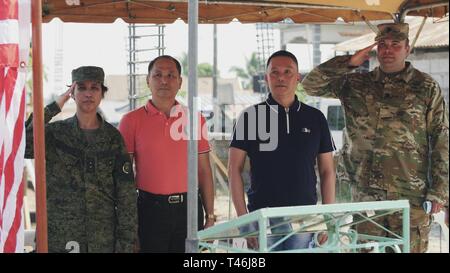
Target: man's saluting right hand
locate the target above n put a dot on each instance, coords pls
(361, 56)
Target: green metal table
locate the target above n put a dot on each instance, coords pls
(337, 220)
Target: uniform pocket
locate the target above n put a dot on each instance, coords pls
(105, 175)
(65, 169)
(66, 159)
(413, 112)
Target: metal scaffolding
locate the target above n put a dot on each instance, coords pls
(140, 52)
(265, 41)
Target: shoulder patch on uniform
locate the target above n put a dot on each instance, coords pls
(126, 168)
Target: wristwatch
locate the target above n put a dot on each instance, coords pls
(210, 216)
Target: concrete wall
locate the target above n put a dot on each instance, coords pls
(435, 64)
(118, 87)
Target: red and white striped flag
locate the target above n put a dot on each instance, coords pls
(14, 49)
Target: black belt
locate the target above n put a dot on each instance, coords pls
(176, 198)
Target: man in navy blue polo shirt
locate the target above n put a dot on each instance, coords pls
(283, 139)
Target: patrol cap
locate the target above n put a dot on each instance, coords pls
(398, 31)
(84, 73)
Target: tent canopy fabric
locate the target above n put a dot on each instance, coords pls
(224, 11)
(433, 35)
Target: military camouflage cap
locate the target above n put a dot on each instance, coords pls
(84, 73)
(399, 31)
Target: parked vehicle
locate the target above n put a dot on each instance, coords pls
(334, 114)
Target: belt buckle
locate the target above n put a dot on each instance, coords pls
(175, 199)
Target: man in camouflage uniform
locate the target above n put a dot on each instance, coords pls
(91, 195)
(396, 133)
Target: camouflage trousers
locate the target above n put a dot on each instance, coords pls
(420, 222)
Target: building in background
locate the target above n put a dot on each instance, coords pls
(430, 53)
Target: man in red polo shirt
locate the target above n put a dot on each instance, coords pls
(154, 136)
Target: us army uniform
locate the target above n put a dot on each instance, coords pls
(396, 136)
(91, 195)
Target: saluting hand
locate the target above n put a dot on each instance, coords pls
(64, 97)
(361, 55)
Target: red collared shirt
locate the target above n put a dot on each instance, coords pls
(159, 145)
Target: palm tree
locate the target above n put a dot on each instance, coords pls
(203, 69)
(251, 69)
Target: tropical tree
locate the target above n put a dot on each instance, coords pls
(252, 68)
(203, 69)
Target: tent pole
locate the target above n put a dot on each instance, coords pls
(418, 33)
(192, 213)
(216, 117)
(38, 126)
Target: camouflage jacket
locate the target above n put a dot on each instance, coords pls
(396, 133)
(91, 194)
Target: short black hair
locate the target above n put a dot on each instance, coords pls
(152, 63)
(282, 53)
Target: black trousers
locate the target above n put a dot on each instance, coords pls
(163, 222)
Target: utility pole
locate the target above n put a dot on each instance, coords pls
(217, 109)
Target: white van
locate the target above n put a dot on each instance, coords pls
(334, 113)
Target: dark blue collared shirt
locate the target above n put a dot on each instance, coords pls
(282, 145)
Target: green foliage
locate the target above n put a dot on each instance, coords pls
(203, 69)
(301, 94)
(251, 69)
(182, 93)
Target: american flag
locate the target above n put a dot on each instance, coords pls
(14, 51)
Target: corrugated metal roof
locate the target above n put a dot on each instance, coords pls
(433, 35)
